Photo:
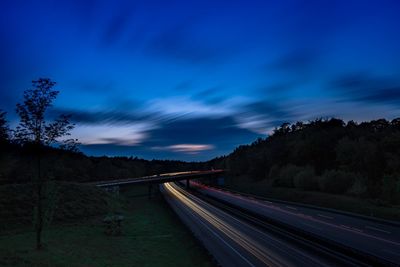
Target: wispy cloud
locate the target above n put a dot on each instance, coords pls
(186, 148)
(125, 135)
(364, 87)
(178, 119)
(184, 105)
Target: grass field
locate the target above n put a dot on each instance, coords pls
(360, 206)
(151, 236)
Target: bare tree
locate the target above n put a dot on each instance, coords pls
(34, 129)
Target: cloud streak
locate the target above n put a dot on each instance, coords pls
(364, 87)
(123, 135)
(186, 148)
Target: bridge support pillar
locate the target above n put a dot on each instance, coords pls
(187, 183)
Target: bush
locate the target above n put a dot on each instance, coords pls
(337, 181)
(306, 179)
(286, 175)
(359, 187)
(391, 189)
(273, 173)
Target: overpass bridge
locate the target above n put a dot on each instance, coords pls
(113, 185)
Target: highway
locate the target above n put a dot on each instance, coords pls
(366, 238)
(233, 241)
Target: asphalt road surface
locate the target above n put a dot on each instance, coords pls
(232, 241)
(372, 238)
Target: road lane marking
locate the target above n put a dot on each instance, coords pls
(351, 228)
(324, 216)
(391, 252)
(292, 208)
(345, 226)
(312, 226)
(377, 229)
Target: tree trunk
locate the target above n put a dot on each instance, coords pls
(39, 188)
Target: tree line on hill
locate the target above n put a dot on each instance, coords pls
(17, 165)
(327, 155)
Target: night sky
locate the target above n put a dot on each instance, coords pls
(192, 80)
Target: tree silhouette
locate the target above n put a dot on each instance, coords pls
(4, 130)
(33, 129)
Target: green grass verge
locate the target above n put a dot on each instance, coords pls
(360, 206)
(151, 236)
(70, 202)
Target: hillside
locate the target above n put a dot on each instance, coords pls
(69, 202)
(360, 160)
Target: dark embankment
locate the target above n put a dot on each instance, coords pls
(65, 202)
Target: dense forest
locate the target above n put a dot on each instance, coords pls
(328, 155)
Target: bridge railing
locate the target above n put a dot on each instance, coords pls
(159, 178)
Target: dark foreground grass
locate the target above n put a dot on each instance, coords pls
(366, 207)
(152, 236)
(71, 201)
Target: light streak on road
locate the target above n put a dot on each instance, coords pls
(234, 234)
(299, 214)
(373, 238)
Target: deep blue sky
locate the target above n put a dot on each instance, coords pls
(192, 80)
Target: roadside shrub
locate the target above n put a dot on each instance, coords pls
(286, 175)
(306, 179)
(359, 187)
(273, 173)
(336, 181)
(391, 189)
